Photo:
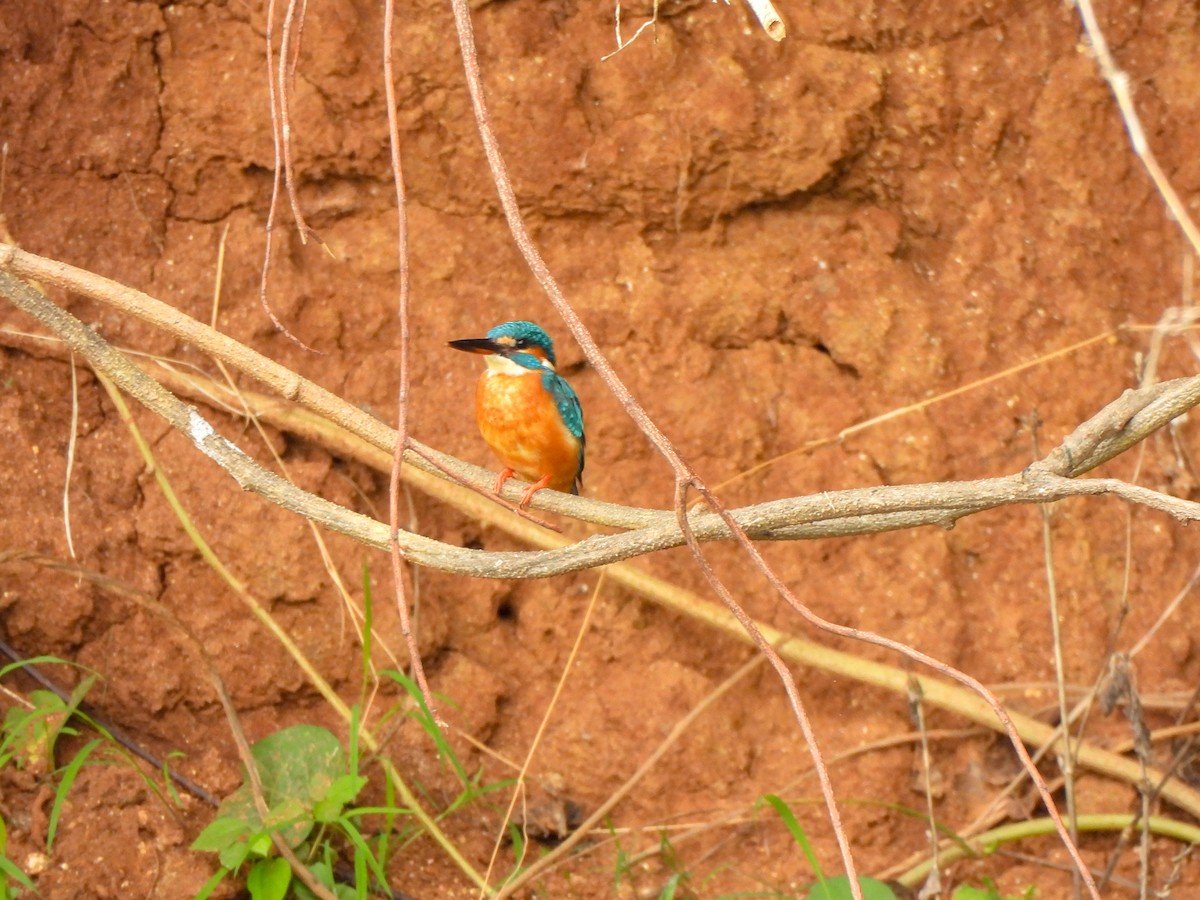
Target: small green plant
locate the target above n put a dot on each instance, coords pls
(679, 885)
(307, 784)
(30, 734)
(10, 874)
(989, 891)
(29, 739)
(837, 887)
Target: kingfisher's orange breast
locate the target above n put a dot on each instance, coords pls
(520, 422)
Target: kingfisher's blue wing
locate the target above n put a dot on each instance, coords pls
(569, 408)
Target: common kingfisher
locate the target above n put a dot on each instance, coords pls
(526, 411)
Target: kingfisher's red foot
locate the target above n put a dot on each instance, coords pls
(503, 477)
(531, 490)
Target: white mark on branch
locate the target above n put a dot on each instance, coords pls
(200, 431)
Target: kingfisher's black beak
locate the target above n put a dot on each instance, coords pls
(479, 345)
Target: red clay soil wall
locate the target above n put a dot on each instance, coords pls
(770, 243)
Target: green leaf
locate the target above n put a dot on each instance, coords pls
(38, 661)
(838, 888)
(300, 762)
(368, 626)
(425, 719)
(260, 844)
(323, 873)
(220, 833)
(342, 791)
(269, 879)
(362, 881)
(354, 732)
(289, 816)
(234, 855)
(989, 891)
(29, 733)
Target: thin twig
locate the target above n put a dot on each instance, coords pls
(1118, 82)
(406, 629)
(785, 676)
(1066, 753)
(71, 444)
(685, 476)
(916, 713)
(437, 461)
(652, 22)
(277, 136)
(604, 810)
(287, 79)
(543, 724)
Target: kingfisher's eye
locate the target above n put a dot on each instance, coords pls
(520, 343)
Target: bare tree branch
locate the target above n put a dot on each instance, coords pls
(1121, 424)
(859, 511)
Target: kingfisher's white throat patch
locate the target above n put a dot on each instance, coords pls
(502, 365)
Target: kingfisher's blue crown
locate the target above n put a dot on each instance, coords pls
(525, 334)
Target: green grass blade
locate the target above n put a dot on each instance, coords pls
(368, 623)
(11, 871)
(389, 817)
(426, 721)
(211, 885)
(362, 854)
(68, 779)
(36, 661)
(789, 820)
(838, 888)
(8, 868)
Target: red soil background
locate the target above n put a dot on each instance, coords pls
(770, 242)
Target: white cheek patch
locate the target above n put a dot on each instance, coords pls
(502, 365)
